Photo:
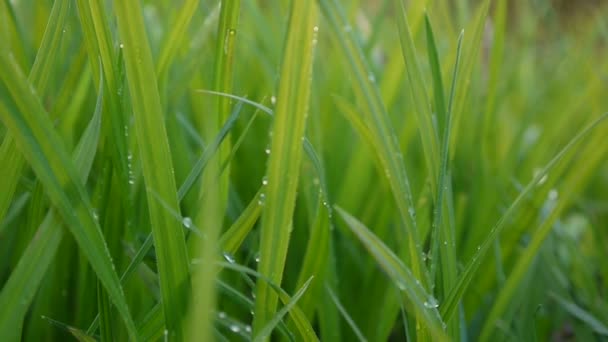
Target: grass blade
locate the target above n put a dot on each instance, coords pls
(156, 166)
(42, 148)
(286, 152)
(425, 305)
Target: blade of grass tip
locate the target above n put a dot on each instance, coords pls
(10, 158)
(77, 333)
(445, 254)
(42, 147)
(469, 61)
(425, 305)
(169, 242)
(451, 303)
(286, 153)
(580, 313)
(428, 133)
(232, 239)
(345, 315)
(265, 332)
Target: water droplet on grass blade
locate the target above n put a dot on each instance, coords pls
(235, 328)
(431, 303)
(229, 257)
(187, 222)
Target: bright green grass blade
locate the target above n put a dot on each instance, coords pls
(451, 303)
(286, 152)
(232, 239)
(428, 133)
(42, 147)
(267, 329)
(376, 118)
(425, 305)
(157, 166)
(580, 313)
(345, 315)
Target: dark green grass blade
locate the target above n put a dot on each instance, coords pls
(156, 166)
(42, 147)
(286, 152)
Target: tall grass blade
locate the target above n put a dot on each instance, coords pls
(156, 166)
(286, 153)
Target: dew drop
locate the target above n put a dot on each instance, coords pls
(257, 257)
(187, 222)
(265, 181)
(267, 150)
(248, 328)
(273, 100)
(262, 199)
(553, 194)
(431, 303)
(121, 45)
(235, 328)
(229, 257)
(221, 314)
(315, 29)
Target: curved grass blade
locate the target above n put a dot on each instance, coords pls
(42, 147)
(267, 329)
(286, 152)
(451, 303)
(78, 334)
(425, 305)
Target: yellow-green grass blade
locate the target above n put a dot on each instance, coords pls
(424, 304)
(593, 156)
(156, 165)
(451, 303)
(269, 327)
(41, 146)
(215, 181)
(286, 153)
(175, 37)
(428, 133)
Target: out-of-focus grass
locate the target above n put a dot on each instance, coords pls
(295, 170)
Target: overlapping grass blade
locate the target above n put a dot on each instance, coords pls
(40, 144)
(425, 305)
(157, 166)
(451, 303)
(267, 329)
(428, 132)
(286, 152)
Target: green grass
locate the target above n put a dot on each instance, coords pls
(329, 170)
